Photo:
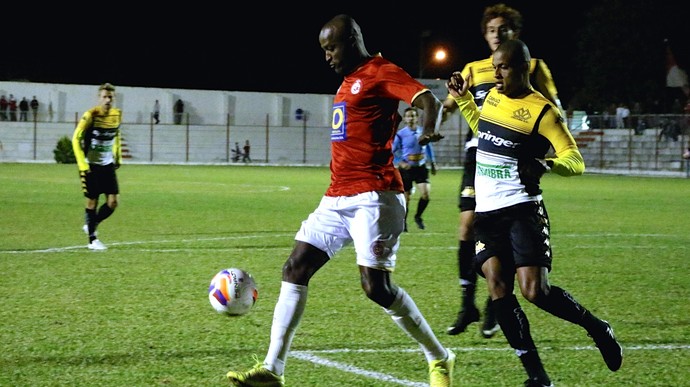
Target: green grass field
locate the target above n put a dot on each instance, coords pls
(138, 314)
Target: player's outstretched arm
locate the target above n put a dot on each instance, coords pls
(433, 115)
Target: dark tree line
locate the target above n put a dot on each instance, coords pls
(621, 54)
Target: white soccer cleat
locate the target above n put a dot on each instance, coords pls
(97, 245)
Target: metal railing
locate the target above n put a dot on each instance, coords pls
(655, 143)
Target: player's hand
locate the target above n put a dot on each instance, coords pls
(532, 169)
(404, 165)
(433, 169)
(116, 165)
(427, 138)
(457, 85)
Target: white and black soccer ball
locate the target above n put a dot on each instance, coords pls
(233, 292)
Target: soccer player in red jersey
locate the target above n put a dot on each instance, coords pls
(364, 204)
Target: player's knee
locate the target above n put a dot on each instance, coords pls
(379, 293)
(531, 293)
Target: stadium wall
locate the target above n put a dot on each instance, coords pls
(213, 121)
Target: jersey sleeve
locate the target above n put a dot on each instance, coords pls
(395, 83)
(469, 110)
(78, 141)
(117, 146)
(543, 82)
(568, 160)
(397, 149)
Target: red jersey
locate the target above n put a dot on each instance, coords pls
(364, 121)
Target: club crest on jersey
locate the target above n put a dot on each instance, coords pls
(522, 114)
(378, 248)
(356, 87)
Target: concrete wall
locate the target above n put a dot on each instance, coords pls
(214, 121)
(62, 102)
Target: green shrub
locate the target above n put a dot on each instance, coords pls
(64, 154)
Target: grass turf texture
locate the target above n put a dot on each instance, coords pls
(138, 313)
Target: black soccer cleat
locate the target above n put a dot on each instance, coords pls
(420, 222)
(610, 349)
(465, 318)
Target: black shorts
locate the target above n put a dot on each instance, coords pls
(419, 174)
(101, 180)
(466, 201)
(518, 235)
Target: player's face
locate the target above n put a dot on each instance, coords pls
(105, 99)
(410, 118)
(511, 80)
(497, 32)
(334, 49)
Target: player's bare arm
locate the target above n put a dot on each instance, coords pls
(433, 110)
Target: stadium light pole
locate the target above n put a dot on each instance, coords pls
(437, 55)
(423, 37)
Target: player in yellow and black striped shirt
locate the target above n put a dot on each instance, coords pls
(96, 145)
(499, 23)
(516, 127)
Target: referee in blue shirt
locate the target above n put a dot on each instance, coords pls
(412, 160)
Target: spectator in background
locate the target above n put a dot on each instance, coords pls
(156, 112)
(619, 116)
(13, 108)
(626, 116)
(34, 107)
(23, 109)
(245, 156)
(3, 107)
(179, 111)
(236, 153)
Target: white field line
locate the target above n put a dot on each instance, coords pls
(134, 243)
(404, 247)
(316, 357)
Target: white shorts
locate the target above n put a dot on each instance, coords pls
(373, 221)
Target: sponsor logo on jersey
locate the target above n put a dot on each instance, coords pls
(479, 246)
(494, 171)
(338, 130)
(498, 141)
(481, 94)
(493, 101)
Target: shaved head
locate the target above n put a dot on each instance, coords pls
(511, 68)
(515, 50)
(342, 42)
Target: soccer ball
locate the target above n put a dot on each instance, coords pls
(233, 292)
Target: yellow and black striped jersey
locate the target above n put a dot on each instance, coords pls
(96, 138)
(482, 79)
(510, 130)
(480, 75)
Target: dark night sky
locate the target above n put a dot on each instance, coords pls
(257, 47)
